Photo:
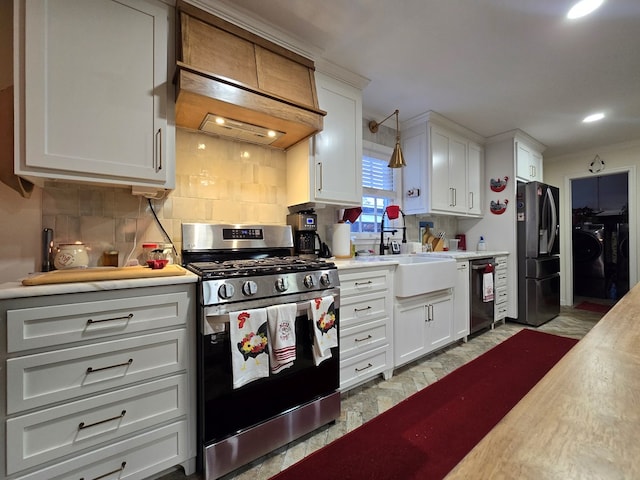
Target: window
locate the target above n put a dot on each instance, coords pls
(379, 187)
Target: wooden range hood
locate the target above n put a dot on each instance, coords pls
(224, 70)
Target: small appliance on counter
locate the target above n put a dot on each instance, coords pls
(305, 235)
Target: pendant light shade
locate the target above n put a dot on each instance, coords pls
(397, 158)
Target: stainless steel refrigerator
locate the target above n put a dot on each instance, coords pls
(538, 236)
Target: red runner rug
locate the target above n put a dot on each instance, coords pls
(426, 435)
(594, 307)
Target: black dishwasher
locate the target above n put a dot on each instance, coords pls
(481, 293)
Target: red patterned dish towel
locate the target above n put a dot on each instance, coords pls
(282, 336)
(325, 331)
(249, 345)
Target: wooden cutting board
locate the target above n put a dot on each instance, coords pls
(101, 273)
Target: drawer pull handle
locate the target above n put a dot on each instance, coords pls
(128, 317)
(363, 339)
(362, 309)
(82, 425)
(108, 474)
(368, 282)
(364, 368)
(125, 364)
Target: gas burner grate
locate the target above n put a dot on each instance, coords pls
(256, 267)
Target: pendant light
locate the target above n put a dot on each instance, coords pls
(397, 158)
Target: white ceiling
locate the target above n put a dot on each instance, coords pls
(490, 65)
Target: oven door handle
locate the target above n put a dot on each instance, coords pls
(224, 317)
(216, 318)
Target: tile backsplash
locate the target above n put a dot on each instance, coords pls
(217, 180)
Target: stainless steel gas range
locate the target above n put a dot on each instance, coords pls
(248, 405)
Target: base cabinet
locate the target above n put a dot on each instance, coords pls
(110, 396)
(461, 301)
(501, 292)
(365, 325)
(422, 324)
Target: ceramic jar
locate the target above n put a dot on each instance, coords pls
(71, 255)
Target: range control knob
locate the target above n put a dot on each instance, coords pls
(249, 288)
(226, 290)
(282, 284)
(325, 280)
(308, 281)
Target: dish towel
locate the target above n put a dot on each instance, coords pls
(249, 345)
(325, 331)
(487, 287)
(282, 336)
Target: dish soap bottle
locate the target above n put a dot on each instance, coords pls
(481, 245)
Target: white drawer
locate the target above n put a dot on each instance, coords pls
(356, 283)
(501, 262)
(363, 308)
(365, 366)
(362, 338)
(53, 325)
(500, 312)
(501, 278)
(44, 378)
(501, 296)
(142, 456)
(51, 433)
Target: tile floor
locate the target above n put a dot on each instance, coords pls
(362, 403)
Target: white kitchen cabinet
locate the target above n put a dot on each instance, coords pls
(365, 324)
(461, 304)
(501, 292)
(475, 177)
(114, 389)
(500, 230)
(422, 324)
(327, 168)
(528, 162)
(444, 171)
(93, 92)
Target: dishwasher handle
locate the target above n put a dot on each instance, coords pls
(481, 266)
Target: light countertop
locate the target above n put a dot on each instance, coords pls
(373, 260)
(581, 420)
(17, 290)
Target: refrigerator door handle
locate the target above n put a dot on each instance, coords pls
(554, 221)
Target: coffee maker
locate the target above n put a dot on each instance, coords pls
(304, 225)
(305, 234)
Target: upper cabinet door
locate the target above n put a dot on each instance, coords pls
(528, 163)
(95, 92)
(475, 178)
(444, 168)
(441, 190)
(338, 148)
(328, 168)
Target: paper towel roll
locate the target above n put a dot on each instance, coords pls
(342, 240)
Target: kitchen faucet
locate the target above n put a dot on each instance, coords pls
(384, 247)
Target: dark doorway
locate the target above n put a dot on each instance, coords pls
(600, 246)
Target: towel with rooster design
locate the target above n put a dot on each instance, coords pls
(249, 342)
(323, 317)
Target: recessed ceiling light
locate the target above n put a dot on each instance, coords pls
(593, 118)
(583, 7)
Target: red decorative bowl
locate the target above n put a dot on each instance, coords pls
(157, 264)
